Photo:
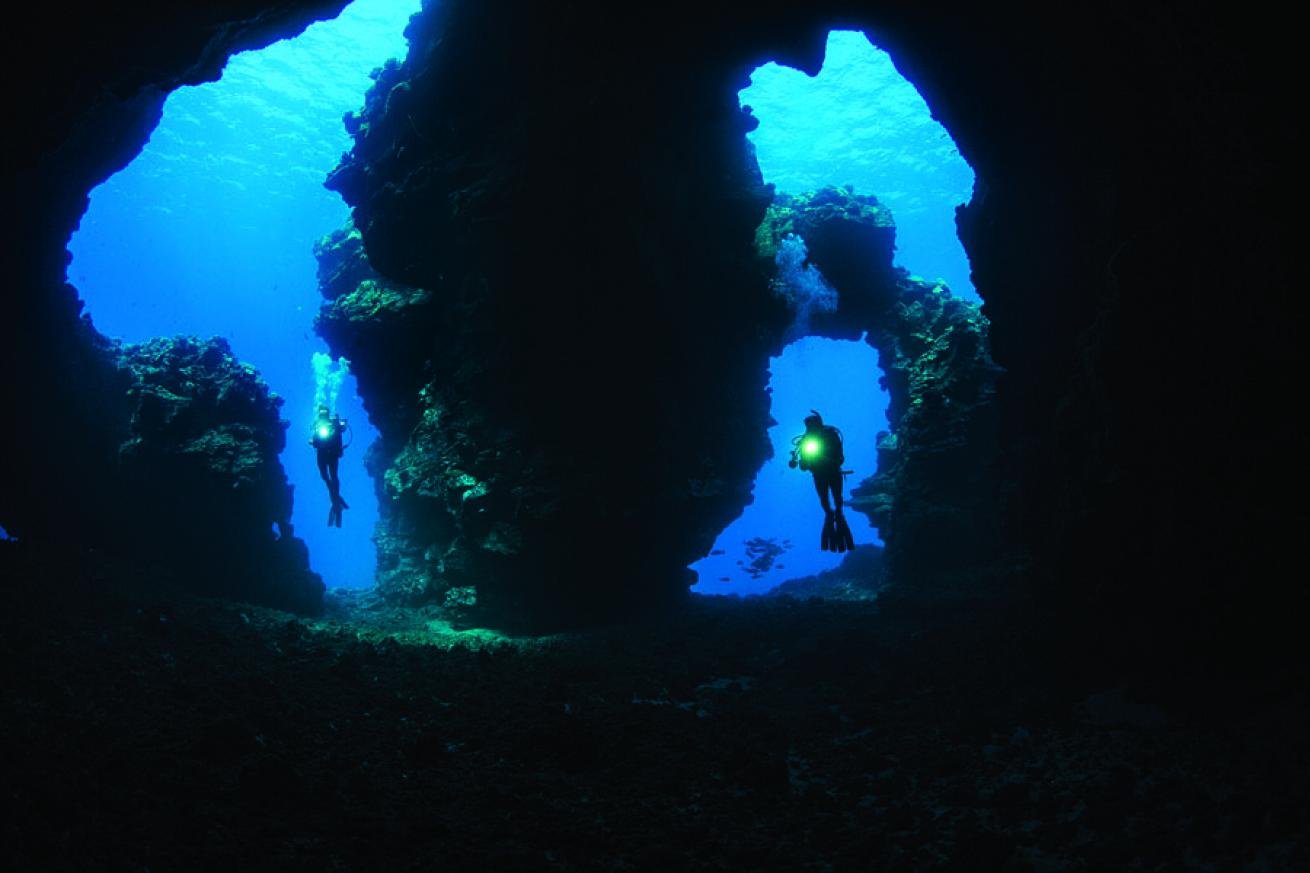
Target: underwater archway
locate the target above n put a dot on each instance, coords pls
(861, 125)
(776, 538)
(210, 231)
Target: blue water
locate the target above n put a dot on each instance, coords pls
(840, 380)
(210, 231)
(857, 123)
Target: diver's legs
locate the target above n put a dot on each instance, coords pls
(327, 468)
(836, 485)
(336, 486)
(842, 540)
(821, 486)
(827, 537)
(333, 480)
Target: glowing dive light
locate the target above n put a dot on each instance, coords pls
(324, 431)
(811, 448)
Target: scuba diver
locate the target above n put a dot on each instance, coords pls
(328, 430)
(819, 451)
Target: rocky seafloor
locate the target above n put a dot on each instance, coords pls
(150, 730)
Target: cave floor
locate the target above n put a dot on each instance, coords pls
(146, 731)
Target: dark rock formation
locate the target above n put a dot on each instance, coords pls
(932, 497)
(380, 326)
(567, 336)
(594, 405)
(201, 488)
(384, 328)
(184, 441)
(851, 238)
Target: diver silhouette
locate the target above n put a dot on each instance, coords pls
(328, 444)
(819, 452)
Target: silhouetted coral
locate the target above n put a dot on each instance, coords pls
(932, 497)
(203, 490)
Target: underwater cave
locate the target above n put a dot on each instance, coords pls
(556, 279)
(858, 124)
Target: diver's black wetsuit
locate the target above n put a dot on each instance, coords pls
(826, 467)
(819, 451)
(329, 450)
(327, 468)
(828, 481)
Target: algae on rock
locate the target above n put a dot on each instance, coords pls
(204, 488)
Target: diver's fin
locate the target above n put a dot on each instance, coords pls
(826, 539)
(843, 534)
(341, 501)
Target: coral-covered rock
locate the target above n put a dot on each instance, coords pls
(853, 237)
(592, 410)
(202, 489)
(932, 497)
(379, 325)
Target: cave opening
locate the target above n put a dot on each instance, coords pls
(210, 232)
(776, 538)
(858, 124)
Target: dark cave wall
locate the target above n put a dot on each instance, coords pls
(1134, 216)
(93, 85)
(1132, 243)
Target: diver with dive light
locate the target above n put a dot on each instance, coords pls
(327, 442)
(819, 452)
